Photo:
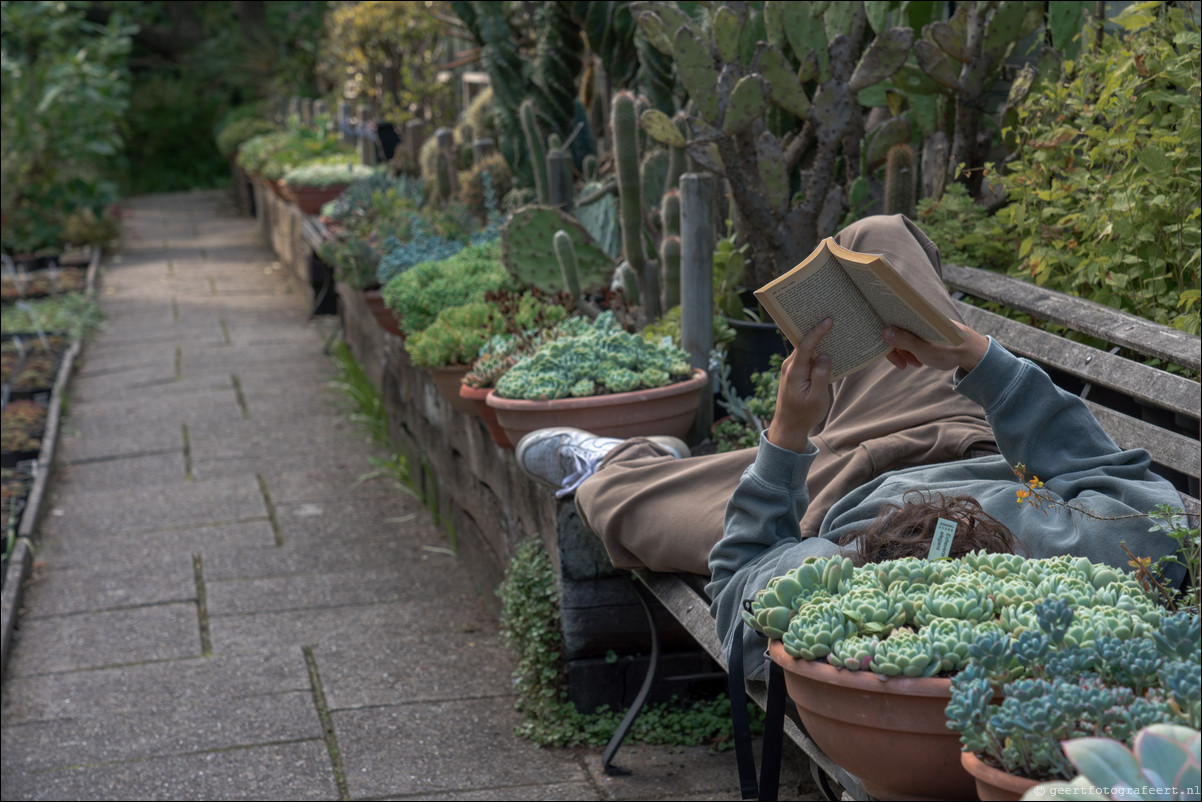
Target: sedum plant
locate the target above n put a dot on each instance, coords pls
(325, 174)
(421, 292)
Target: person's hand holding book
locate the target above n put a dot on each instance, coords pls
(911, 350)
(804, 395)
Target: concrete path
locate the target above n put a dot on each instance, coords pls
(220, 609)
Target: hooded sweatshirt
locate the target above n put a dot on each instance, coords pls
(1036, 423)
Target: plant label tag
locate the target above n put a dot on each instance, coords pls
(941, 543)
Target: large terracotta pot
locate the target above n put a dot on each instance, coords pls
(995, 785)
(892, 733)
(447, 381)
(479, 398)
(311, 199)
(384, 316)
(663, 410)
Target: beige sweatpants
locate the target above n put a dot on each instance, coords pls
(652, 510)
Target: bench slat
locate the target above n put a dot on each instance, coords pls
(1079, 314)
(1148, 384)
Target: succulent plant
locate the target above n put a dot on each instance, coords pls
(605, 355)
(875, 611)
(967, 599)
(1162, 757)
(817, 627)
(906, 653)
(528, 250)
(950, 638)
(855, 652)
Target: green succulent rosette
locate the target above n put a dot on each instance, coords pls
(854, 653)
(967, 599)
(818, 626)
(905, 653)
(1014, 590)
(996, 565)
(874, 611)
(950, 638)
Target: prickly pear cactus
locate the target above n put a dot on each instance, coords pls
(597, 211)
(528, 251)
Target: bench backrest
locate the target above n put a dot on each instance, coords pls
(1139, 405)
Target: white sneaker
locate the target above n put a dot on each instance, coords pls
(562, 457)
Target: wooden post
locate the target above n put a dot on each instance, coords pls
(344, 122)
(415, 135)
(446, 144)
(294, 107)
(319, 109)
(697, 192)
(367, 142)
(306, 107)
(559, 179)
(482, 149)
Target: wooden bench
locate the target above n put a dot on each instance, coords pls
(1140, 406)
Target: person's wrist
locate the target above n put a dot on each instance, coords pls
(782, 437)
(973, 350)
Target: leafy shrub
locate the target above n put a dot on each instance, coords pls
(232, 135)
(966, 233)
(1104, 199)
(420, 293)
(456, 335)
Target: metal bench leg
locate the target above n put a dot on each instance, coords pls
(619, 735)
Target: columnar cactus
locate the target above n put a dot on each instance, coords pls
(901, 178)
(537, 149)
(625, 132)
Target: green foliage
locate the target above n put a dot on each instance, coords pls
(402, 42)
(531, 628)
(1104, 199)
(456, 336)
(270, 156)
(420, 293)
(232, 134)
(65, 88)
(966, 233)
(72, 314)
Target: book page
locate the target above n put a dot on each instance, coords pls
(826, 291)
(891, 309)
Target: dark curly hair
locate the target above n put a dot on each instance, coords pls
(906, 530)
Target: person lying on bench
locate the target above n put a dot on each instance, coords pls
(822, 477)
(650, 508)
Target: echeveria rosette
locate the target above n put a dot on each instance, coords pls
(817, 627)
(968, 599)
(950, 638)
(905, 653)
(855, 652)
(996, 564)
(875, 611)
(1012, 591)
(910, 571)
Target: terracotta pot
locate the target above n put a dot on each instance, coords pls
(892, 733)
(384, 316)
(447, 381)
(995, 785)
(311, 199)
(479, 398)
(663, 410)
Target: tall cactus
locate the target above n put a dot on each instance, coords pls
(734, 75)
(537, 150)
(624, 127)
(900, 180)
(669, 271)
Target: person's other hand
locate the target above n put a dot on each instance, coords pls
(909, 349)
(804, 395)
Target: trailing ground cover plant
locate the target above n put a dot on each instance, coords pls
(1104, 192)
(531, 629)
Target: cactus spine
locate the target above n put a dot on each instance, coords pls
(625, 135)
(899, 180)
(537, 150)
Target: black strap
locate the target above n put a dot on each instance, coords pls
(769, 783)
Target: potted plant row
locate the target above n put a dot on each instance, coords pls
(893, 666)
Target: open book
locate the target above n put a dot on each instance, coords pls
(863, 294)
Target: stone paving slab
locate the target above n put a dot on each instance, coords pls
(68, 549)
(148, 687)
(297, 771)
(100, 640)
(445, 746)
(124, 472)
(143, 581)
